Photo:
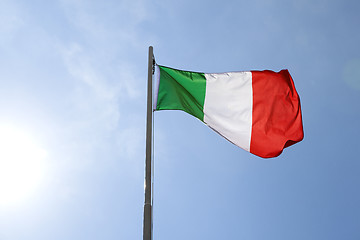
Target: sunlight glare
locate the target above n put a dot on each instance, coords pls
(21, 165)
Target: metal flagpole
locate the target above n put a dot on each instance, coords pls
(147, 231)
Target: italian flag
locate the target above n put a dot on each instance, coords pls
(258, 111)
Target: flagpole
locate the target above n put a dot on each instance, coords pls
(147, 230)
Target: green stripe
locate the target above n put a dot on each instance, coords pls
(181, 90)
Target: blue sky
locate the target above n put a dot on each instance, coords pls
(73, 79)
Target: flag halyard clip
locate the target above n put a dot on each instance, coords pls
(153, 65)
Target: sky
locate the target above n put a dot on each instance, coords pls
(73, 77)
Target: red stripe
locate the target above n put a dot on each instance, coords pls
(276, 122)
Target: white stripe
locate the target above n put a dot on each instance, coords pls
(228, 106)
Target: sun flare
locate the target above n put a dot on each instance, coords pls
(21, 165)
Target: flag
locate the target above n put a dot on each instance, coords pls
(258, 111)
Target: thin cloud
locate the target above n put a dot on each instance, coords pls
(105, 80)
